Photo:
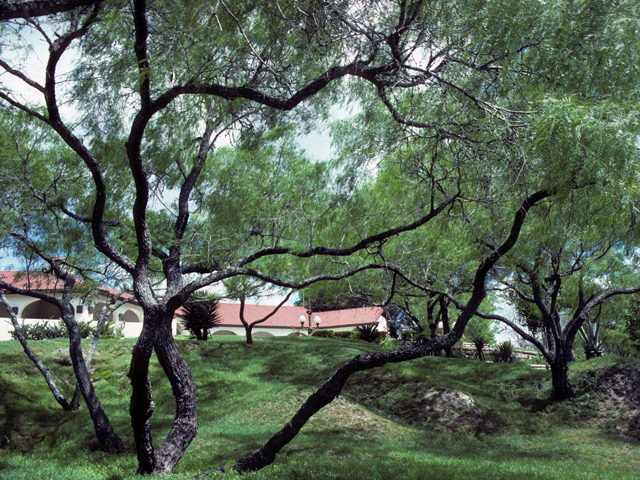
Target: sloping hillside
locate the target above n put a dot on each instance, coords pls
(431, 418)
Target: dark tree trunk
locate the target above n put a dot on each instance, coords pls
(141, 407)
(59, 397)
(156, 334)
(201, 334)
(446, 327)
(559, 364)
(433, 323)
(562, 389)
(433, 326)
(329, 391)
(248, 328)
(107, 438)
(185, 424)
(75, 401)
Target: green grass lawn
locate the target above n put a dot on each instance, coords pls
(382, 427)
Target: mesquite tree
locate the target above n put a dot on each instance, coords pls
(108, 439)
(333, 386)
(248, 326)
(562, 281)
(168, 146)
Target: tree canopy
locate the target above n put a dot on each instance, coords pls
(166, 152)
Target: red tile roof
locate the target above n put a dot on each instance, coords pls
(42, 281)
(33, 280)
(285, 317)
(288, 317)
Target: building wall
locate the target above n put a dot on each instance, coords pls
(255, 332)
(129, 318)
(32, 311)
(258, 331)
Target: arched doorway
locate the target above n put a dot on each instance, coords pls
(223, 332)
(41, 310)
(130, 323)
(96, 312)
(130, 317)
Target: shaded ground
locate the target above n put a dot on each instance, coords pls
(432, 418)
(617, 399)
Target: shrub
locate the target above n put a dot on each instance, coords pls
(349, 334)
(324, 334)
(109, 330)
(590, 333)
(479, 344)
(49, 331)
(199, 317)
(369, 332)
(504, 353)
(86, 330)
(41, 331)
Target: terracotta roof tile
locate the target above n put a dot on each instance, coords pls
(287, 317)
(32, 280)
(42, 281)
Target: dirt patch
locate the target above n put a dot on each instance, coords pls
(619, 384)
(618, 399)
(455, 411)
(435, 409)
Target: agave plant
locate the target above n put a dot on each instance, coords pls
(591, 337)
(504, 353)
(479, 344)
(368, 332)
(200, 316)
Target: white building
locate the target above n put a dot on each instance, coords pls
(32, 310)
(286, 321)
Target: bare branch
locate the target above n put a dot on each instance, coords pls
(23, 107)
(109, 307)
(248, 326)
(333, 386)
(21, 76)
(64, 403)
(140, 47)
(40, 8)
(515, 327)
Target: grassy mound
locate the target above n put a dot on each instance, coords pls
(433, 418)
